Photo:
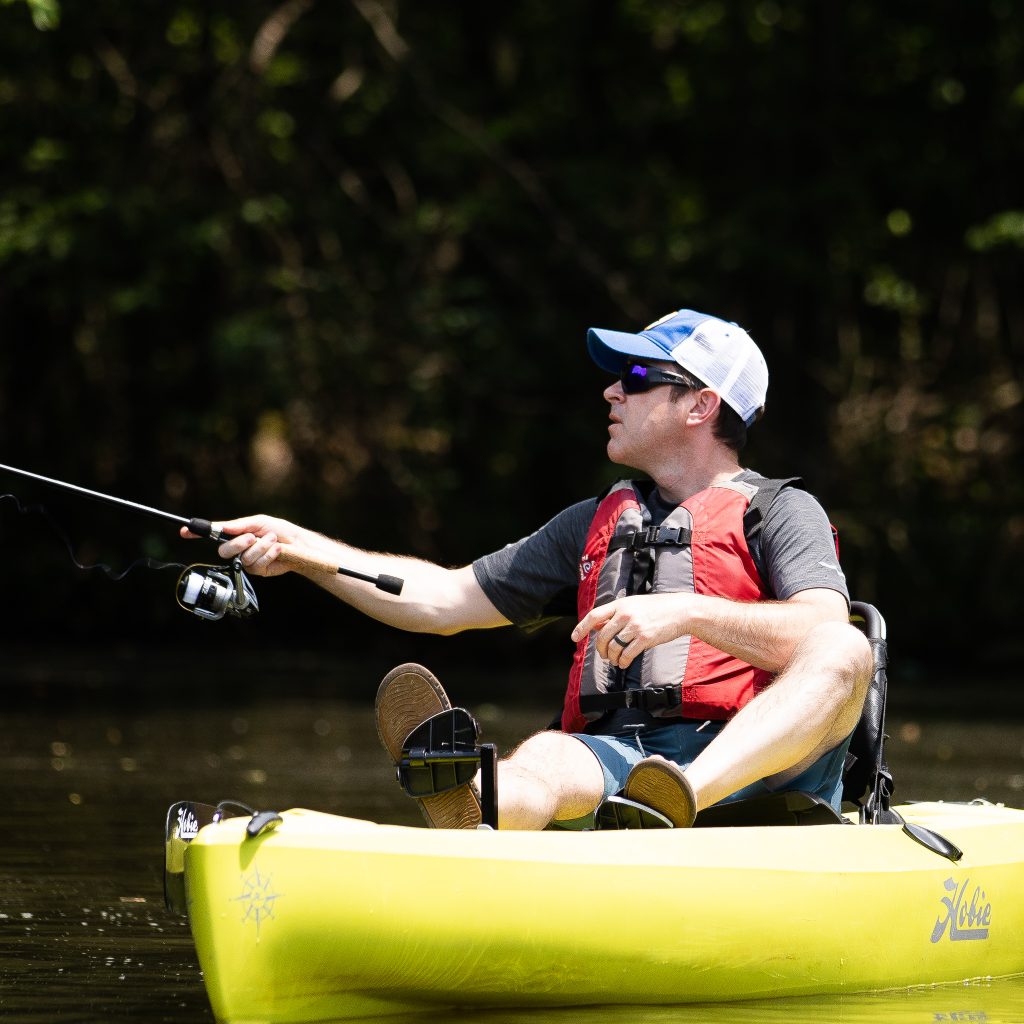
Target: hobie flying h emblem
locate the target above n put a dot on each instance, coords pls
(965, 918)
(188, 824)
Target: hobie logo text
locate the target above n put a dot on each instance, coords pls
(188, 824)
(965, 918)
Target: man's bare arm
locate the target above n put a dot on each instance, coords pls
(433, 599)
(762, 633)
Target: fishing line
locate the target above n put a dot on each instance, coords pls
(111, 574)
(209, 591)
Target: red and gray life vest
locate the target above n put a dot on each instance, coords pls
(702, 547)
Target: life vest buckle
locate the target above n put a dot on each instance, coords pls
(659, 536)
(658, 697)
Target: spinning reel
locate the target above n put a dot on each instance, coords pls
(213, 591)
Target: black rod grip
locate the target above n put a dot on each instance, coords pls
(390, 584)
(203, 528)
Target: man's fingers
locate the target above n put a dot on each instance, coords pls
(621, 651)
(261, 554)
(257, 554)
(236, 546)
(591, 621)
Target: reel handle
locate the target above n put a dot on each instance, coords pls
(389, 584)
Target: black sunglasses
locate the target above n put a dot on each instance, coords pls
(639, 377)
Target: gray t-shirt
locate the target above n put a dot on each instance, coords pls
(534, 580)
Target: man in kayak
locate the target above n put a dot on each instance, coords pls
(714, 660)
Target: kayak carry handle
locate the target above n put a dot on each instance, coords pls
(261, 821)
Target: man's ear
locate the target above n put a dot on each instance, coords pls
(705, 408)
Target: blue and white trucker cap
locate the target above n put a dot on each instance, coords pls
(719, 353)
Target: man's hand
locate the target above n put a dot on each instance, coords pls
(257, 541)
(629, 626)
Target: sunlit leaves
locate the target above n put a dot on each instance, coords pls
(185, 28)
(45, 13)
(887, 289)
(1005, 228)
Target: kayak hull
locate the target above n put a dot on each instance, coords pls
(332, 918)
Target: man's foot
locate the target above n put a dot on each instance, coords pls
(407, 697)
(660, 784)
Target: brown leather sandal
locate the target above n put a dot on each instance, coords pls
(661, 785)
(409, 695)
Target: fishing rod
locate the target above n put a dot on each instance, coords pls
(200, 527)
(213, 591)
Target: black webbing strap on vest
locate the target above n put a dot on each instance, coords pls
(652, 537)
(651, 698)
(641, 574)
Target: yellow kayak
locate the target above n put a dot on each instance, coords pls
(321, 917)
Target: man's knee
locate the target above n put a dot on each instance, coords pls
(561, 763)
(548, 751)
(840, 656)
(549, 775)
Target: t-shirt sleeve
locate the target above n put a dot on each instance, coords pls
(534, 580)
(799, 549)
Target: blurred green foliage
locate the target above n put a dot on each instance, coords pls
(336, 261)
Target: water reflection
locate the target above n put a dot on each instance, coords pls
(83, 932)
(998, 1002)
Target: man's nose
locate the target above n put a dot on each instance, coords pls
(614, 393)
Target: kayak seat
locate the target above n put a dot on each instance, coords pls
(788, 808)
(867, 778)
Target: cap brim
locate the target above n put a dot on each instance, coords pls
(611, 349)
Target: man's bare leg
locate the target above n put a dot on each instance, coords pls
(812, 706)
(549, 776)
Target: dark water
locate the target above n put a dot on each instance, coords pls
(86, 784)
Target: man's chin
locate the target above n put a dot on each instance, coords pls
(617, 455)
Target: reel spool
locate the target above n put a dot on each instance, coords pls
(213, 591)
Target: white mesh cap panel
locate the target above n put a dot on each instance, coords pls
(725, 358)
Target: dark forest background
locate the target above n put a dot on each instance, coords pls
(336, 261)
